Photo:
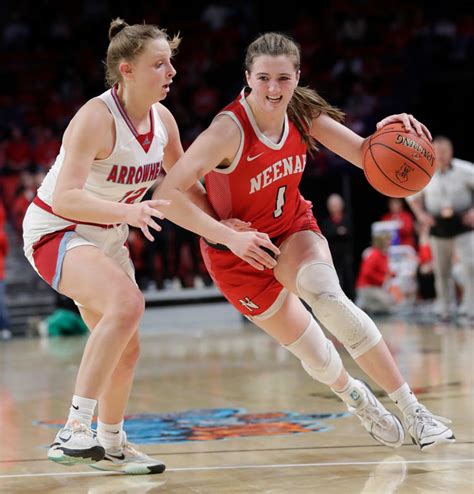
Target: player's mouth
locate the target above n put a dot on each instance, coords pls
(166, 87)
(274, 99)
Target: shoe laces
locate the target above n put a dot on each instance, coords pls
(424, 416)
(129, 450)
(81, 428)
(373, 413)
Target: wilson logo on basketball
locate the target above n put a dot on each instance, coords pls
(406, 141)
(403, 171)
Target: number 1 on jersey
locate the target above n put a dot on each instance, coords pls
(280, 201)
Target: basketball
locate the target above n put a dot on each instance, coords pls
(397, 162)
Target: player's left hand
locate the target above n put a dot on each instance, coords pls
(409, 121)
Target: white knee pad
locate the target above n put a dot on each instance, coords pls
(318, 286)
(318, 356)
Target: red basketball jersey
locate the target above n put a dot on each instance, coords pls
(261, 183)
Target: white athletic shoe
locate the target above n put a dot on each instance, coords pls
(382, 425)
(75, 443)
(427, 430)
(127, 459)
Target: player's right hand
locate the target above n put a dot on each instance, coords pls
(254, 247)
(141, 216)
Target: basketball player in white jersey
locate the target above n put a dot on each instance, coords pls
(76, 228)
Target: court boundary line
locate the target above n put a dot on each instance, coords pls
(244, 467)
(258, 450)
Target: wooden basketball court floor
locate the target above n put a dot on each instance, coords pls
(229, 411)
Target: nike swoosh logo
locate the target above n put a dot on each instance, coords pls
(117, 457)
(75, 408)
(251, 158)
(64, 439)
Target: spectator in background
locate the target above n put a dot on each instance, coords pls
(46, 148)
(18, 151)
(425, 271)
(337, 228)
(396, 212)
(5, 331)
(24, 194)
(374, 273)
(445, 205)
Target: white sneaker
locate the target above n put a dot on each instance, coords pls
(127, 459)
(427, 430)
(382, 425)
(75, 443)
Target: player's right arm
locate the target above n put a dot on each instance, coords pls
(217, 145)
(89, 136)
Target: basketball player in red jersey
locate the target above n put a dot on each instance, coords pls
(75, 230)
(252, 156)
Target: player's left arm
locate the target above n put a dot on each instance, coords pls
(346, 143)
(338, 138)
(173, 151)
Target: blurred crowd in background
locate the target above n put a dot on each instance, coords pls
(369, 58)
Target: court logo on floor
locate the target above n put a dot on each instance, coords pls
(217, 423)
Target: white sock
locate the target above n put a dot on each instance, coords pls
(351, 393)
(403, 397)
(110, 435)
(82, 410)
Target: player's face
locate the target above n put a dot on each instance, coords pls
(273, 81)
(153, 71)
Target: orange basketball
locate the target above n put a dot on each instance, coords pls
(398, 162)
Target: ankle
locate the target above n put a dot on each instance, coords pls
(404, 398)
(82, 410)
(352, 394)
(110, 436)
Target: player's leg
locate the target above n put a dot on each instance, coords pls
(305, 267)
(95, 281)
(120, 456)
(294, 327)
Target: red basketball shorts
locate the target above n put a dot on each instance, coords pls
(252, 292)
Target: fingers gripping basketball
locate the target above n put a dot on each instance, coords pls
(397, 162)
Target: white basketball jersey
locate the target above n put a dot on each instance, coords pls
(130, 170)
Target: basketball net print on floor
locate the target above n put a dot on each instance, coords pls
(216, 423)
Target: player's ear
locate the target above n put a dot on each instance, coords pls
(125, 68)
(247, 77)
(298, 73)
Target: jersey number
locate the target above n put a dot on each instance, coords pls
(132, 195)
(280, 202)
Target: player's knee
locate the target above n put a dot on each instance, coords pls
(128, 308)
(318, 285)
(317, 354)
